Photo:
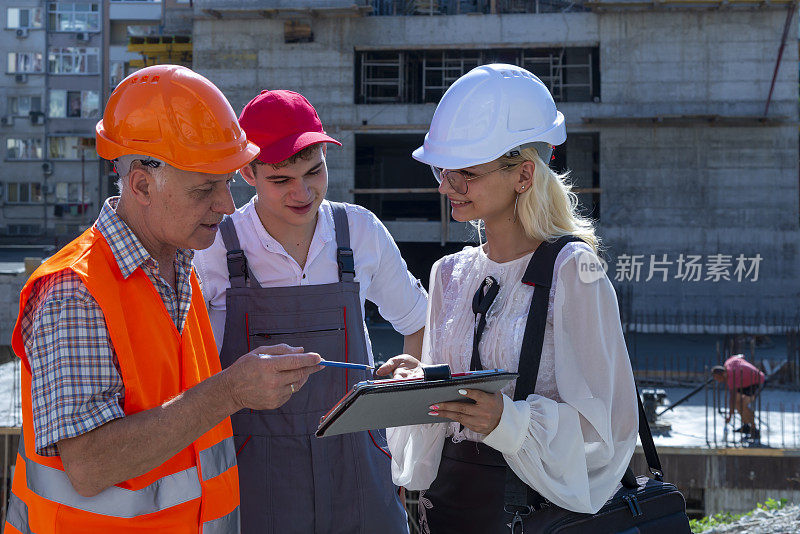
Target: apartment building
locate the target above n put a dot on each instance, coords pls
(63, 59)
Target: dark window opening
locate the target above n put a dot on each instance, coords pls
(385, 166)
(422, 76)
(581, 156)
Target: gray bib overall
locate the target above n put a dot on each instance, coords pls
(291, 481)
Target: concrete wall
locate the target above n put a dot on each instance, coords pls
(677, 186)
(729, 480)
(696, 188)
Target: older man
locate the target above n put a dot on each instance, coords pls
(125, 410)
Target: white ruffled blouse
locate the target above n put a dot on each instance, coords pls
(573, 438)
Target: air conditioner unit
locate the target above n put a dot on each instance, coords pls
(83, 36)
(47, 167)
(22, 33)
(21, 78)
(8, 120)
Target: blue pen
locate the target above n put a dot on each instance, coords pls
(347, 365)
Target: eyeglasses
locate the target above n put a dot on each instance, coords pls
(459, 180)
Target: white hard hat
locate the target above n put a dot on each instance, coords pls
(488, 112)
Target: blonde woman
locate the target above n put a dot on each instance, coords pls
(571, 440)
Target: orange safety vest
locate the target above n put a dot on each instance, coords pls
(195, 491)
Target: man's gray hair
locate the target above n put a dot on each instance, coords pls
(154, 166)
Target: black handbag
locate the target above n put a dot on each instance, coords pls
(643, 505)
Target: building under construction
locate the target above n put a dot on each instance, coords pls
(682, 120)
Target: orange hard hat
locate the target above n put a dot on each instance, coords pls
(175, 115)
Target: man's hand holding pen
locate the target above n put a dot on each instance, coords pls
(266, 377)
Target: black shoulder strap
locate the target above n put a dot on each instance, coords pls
(540, 275)
(344, 254)
(519, 497)
(238, 271)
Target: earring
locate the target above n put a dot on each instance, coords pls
(515, 208)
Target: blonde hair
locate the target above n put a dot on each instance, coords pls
(549, 209)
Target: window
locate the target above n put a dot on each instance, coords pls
(24, 192)
(74, 60)
(24, 17)
(68, 192)
(69, 147)
(384, 174)
(23, 105)
(74, 16)
(18, 148)
(80, 104)
(24, 62)
(415, 77)
(24, 229)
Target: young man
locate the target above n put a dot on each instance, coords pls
(124, 409)
(291, 267)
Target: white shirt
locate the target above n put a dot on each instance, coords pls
(573, 438)
(380, 269)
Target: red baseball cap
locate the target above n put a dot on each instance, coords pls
(282, 123)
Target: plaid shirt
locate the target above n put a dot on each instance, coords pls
(76, 384)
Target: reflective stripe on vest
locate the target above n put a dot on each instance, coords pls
(17, 514)
(54, 485)
(217, 459)
(227, 524)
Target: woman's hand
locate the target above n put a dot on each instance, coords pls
(401, 366)
(482, 417)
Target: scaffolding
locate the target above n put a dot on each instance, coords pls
(566, 80)
(382, 78)
(158, 49)
(441, 69)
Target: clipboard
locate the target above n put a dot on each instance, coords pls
(374, 404)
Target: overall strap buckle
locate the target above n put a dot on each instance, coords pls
(344, 257)
(237, 267)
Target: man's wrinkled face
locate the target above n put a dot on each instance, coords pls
(187, 207)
